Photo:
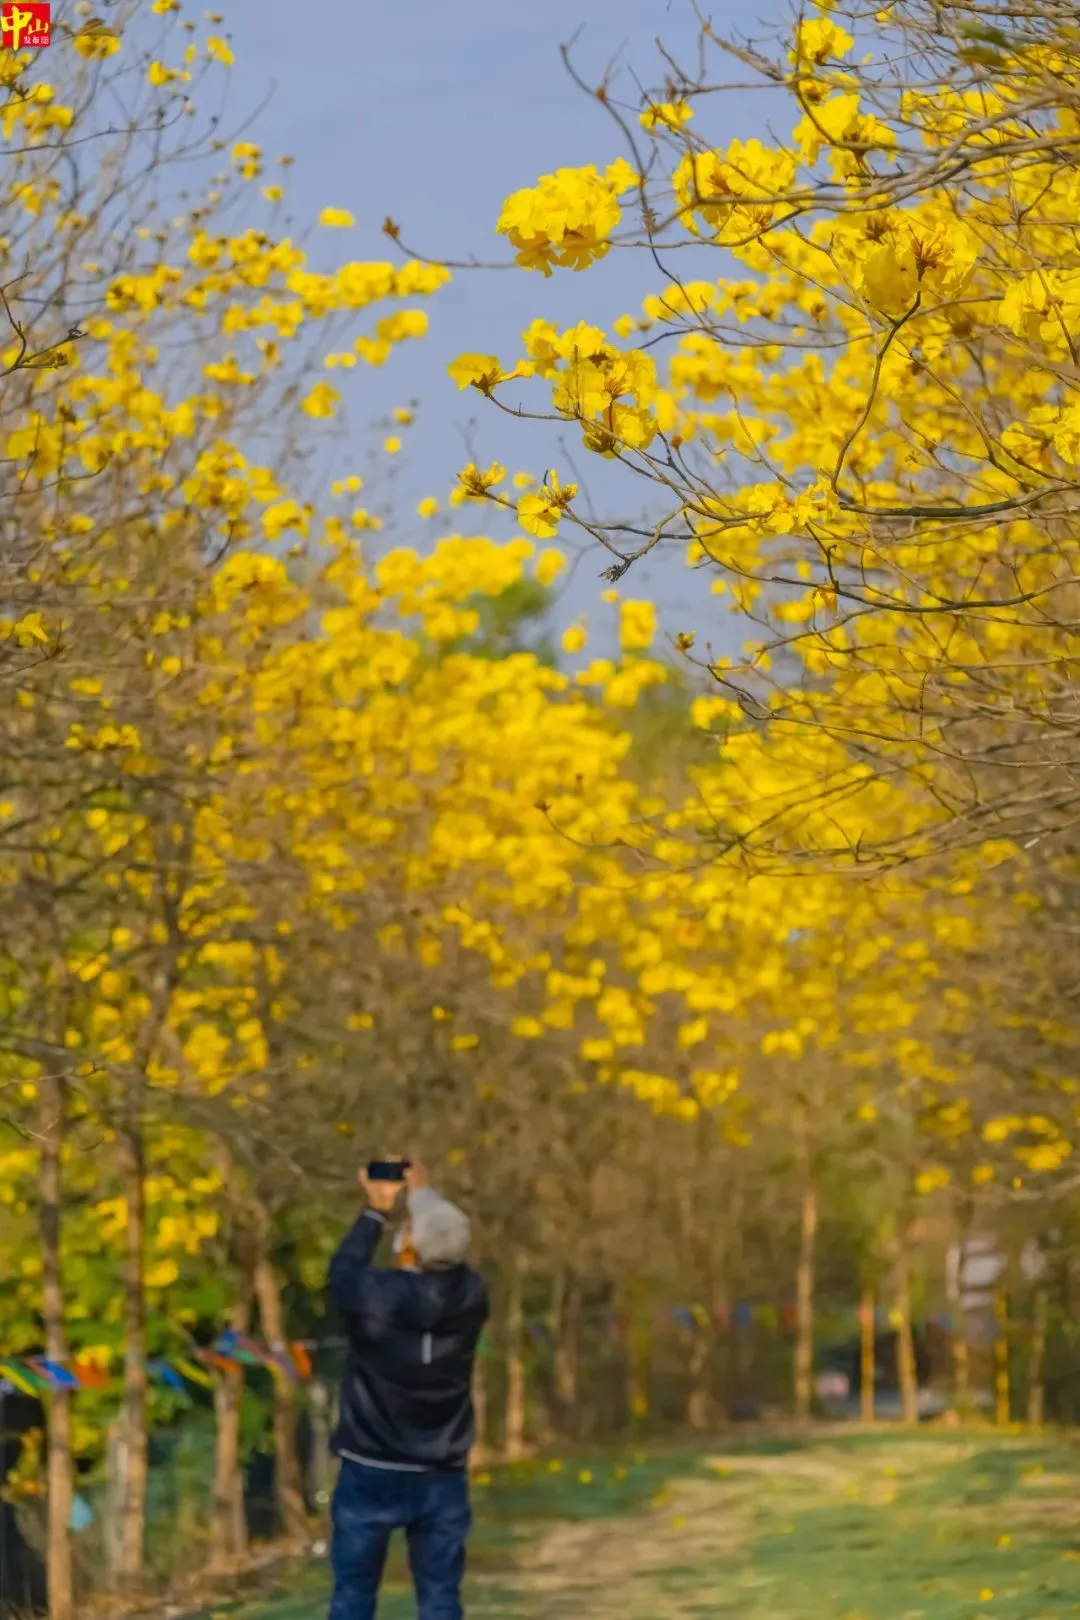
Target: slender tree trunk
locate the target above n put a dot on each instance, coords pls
(133, 1449)
(319, 1407)
(867, 1359)
(1036, 1392)
(804, 1305)
(288, 1477)
(515, 1363)
(114, 1501)
(697, 1253)
(1002, 1393)
(228, 1520)
(699, 1398)
(567, 1357)
(479, 1454)
(961, 1358)
(548, 1424)
(906, 1368)
(733, 1371)
(639, 1369)
(135, 1445)
(961, 1363)
(52, 1100)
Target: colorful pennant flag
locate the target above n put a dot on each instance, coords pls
(217, 1362)
(193, 1373)
(281, 1364)
(301, 1359)
(26, 1382)
(89, 1375)
(161, 1372)
(238, 1347)
(32, 1375)
(56, 1376)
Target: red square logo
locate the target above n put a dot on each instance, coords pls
(25, 27)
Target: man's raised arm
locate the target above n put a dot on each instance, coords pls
(351, 1266)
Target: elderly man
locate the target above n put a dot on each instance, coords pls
(406, 1420)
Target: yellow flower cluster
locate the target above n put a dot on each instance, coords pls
(568, 218)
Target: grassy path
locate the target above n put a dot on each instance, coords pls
(876, 1527)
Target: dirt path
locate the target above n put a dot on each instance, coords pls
(894, 1530)
(859, 1528)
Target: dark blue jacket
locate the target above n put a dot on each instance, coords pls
(406, 1394)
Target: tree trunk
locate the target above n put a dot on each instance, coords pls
(288, 1477)
(804, 1305)
(699, 1398)
(1036, 1392)
(906, 1368)
(515, 1363)
(700, 1269)
(479, 1455)
(638, 1362)
(867, 1360)
(133, 1450)
(567, 1357)
(319, 1407)
(114, 1501)
(1002, 1394)
(961, 1362)
(548, 1424)
(733, 1353)
(135, 1444)
(52, 1100)
(228, 1521)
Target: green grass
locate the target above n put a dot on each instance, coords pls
(859, 1527)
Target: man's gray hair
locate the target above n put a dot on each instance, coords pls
(440, 1231)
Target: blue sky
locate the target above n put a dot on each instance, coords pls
(432, 112)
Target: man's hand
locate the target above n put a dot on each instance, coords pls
(381, 1195)
(416, 1176)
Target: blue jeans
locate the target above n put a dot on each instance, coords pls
(433, 1511)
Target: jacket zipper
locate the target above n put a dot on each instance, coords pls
(425, 1349)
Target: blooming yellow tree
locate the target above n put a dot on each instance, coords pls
(288, 841)
(143, 347)
(852, 399)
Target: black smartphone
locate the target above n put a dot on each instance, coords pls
(387, 1169)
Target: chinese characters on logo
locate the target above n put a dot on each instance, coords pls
(25, 27)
